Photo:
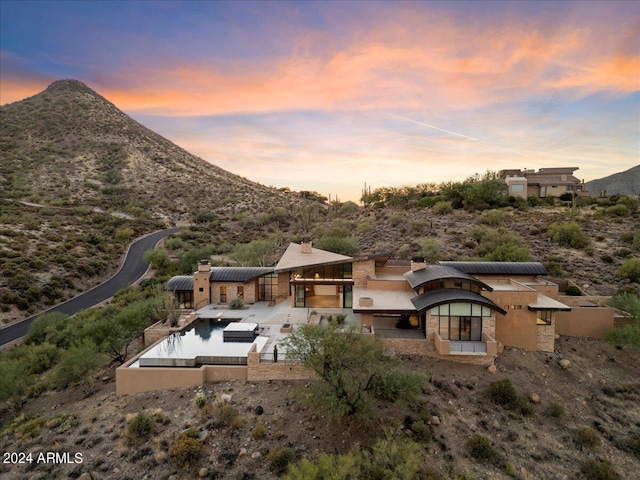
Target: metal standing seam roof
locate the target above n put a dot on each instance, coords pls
(440, 272)
(452, 295)
(498, 268)
(237, 274)
(180, 282)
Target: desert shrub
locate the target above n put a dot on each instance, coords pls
(279, 459)
(79, 364)
(636, 241)
(259, 431)
(224, 413)
(158, 258)
(586, 438)
(139, 426)
(618, 211)
(397, 218)
(493, 217)
(606, 258)
(630, 269)
(554, 410)
(13, 382)
(593, 469)
(504, 393)
(569, 234)
(186, 450)
(573, 291)
(499, 244)
(429, 249)
(200, 400)
(341, 245)
(236, 303)
(364, 226)
(421, 431)
(442, 208)
(482, 450)
(555, 268)
(631, 443)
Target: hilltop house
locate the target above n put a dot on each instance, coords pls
(463, 311)
(546, 182)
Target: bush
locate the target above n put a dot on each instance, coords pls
(586, 437)
(186, 450)
(224, 414)
(421, 431)
(259, 431)
(503, 393)
(573, 291)
(279, 459)
(442, 208)
(618, 211)
(481, 449)
(599, 470)
(569, 234)
(139, 426)
(200, 400)
(236, 304)
(554, 410)
(630, 270)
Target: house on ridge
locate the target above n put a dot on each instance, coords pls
(461, 311)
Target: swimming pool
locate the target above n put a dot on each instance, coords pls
(202, 343)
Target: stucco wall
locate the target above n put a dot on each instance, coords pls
(138, 380)
(388, 285)
(585, 321)
(518, 328)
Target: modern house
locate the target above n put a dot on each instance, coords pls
(546, 182)
(462, 311)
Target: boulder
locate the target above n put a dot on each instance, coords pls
(534, 397)
(203, 473)
(435, 420)
(226, 397)
(491, 369)
(565, 364)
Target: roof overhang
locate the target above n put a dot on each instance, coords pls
(237, 274)
(293, 258)
(179, 283)
(440, 272)
(546, 303)
(498, 268)
(452, 295)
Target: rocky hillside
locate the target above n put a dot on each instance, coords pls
(625, 183)
(69, 144)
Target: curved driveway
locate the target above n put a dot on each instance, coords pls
(131, 270)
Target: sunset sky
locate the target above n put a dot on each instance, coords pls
(326, 96)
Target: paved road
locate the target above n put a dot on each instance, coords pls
(131, 270)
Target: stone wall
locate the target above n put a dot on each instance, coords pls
(362, 269)
(546, 337)
(258, 370)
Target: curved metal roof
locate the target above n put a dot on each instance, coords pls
(440, 272)
(237, 274)
(498, 268)
(452, 295)
(180, 282)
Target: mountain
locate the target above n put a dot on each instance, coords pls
(626, 183)
(79, 179)
(69, 144)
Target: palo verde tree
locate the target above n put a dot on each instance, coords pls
(352, 370)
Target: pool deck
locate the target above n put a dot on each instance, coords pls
(271, 318)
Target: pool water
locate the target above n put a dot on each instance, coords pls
(201, 343)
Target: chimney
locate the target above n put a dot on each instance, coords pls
(305, 247)
(418, 263)
(204, 266)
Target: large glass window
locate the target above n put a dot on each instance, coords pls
(268, 287)
(325, 272)
(461, 321)
(185, 299)
(347, 301)
(544, 317)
